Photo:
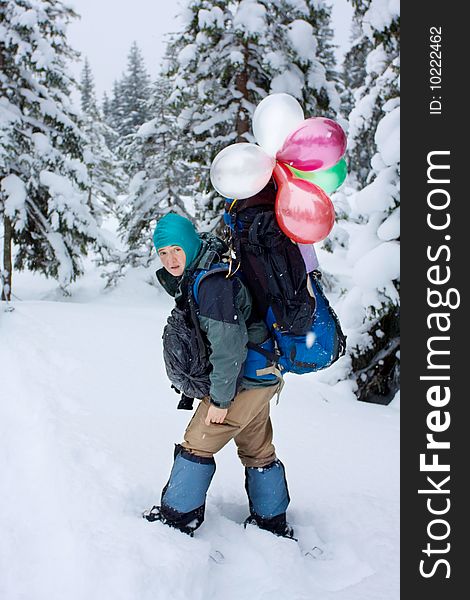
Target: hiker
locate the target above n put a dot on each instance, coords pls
(237, 403)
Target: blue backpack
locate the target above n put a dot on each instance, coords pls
(305, 329)
(320, 346)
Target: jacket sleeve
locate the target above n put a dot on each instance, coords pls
(224, 306)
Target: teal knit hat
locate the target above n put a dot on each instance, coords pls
(174, 230)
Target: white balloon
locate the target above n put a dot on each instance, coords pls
(241, 170)
(275, 117)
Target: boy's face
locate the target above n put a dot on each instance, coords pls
(173, 259)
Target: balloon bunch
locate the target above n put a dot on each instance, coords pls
(303, 155)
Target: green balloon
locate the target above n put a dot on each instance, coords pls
(329, 180)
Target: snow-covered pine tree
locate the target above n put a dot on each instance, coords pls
(43, 180)
(361, 145)
(131, 95)
(321, 20)
(353, 77)
(87, 90)
(301, 60)
(107, 177)
(151, 154)
(373, 251)
(228, 57)
(106, 106)
(110, 135)
(113, 114)
(210, 99)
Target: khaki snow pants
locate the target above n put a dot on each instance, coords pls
(247, 422)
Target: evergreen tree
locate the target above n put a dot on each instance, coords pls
(43, 179)
(106, 106)
(304, 64)
(107, 177)
(320, 18)
(131, 95)
(373, 52)
(228, 57)
(110, 135)
(87, 91)
(112, 116)
(115, 114)
(354, 71)
(373, 249)
(151, 191)
(10, 118)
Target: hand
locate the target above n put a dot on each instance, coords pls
(215, 415)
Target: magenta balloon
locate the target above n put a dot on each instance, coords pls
(303, 210)
(318, 143)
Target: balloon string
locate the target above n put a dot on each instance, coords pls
(230, 273)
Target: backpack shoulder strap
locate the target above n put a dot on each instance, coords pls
(203, 273)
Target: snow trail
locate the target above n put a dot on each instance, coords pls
(88, 422)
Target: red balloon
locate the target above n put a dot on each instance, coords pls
(318, 143)
(303, 210)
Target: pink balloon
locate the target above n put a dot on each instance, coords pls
(318, 143)
(303, 211)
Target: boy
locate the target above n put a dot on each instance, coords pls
(238, 403)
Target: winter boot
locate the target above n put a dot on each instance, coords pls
(277, 525)
(183, 498)
(268, 498)
(155, 514)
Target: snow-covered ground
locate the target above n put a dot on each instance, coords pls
(87, 427)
